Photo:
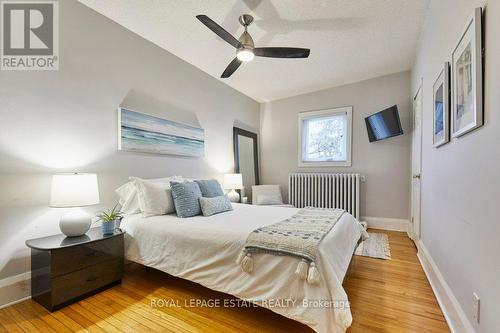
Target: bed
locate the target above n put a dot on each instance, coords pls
(204, 250)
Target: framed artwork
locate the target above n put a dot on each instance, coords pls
(141, 132)
(441, 105)
(467, 75)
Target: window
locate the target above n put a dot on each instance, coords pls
(325, 137)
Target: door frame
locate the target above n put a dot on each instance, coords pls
(413, 232)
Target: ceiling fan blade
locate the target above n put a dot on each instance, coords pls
(231, 68)
(281, 52)
(218, 30)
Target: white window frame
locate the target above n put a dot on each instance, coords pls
(320, 114)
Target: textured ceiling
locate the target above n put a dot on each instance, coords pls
(350, 40)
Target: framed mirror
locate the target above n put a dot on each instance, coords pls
(246, 160)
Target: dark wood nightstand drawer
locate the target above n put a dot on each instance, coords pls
(67, 269)
(75, 284)
(74, 258)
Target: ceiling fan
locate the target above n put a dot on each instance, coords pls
(245, 49)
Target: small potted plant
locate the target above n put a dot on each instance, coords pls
(109, 219)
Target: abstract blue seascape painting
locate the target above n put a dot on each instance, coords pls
(149, 134)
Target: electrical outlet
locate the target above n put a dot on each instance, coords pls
(476, 307)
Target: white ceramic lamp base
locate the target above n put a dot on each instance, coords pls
(233, 196)
(75, 223)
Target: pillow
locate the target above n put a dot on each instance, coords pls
(178, 179)
(154, 198)
(215, 205)
(266, 195)
(268, 199)
(210, 188)
(186, 198)
(127, 193)
(127, 198)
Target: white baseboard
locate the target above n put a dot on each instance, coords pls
(453, 312)
(15, 289)
(14, 302)
(386, 223)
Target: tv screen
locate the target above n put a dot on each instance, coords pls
(384, 124)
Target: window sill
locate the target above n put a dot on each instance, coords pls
(303, 164)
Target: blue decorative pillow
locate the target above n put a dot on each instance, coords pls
(210, 188)
(211, 206)
(186, 196)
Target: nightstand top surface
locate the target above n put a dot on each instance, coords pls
(60, 241)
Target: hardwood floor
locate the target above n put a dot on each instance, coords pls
(386, 296)
(392, 295)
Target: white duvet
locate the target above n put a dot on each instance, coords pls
(204, 250)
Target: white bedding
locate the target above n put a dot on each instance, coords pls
(204, 250)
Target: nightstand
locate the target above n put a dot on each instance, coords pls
(67, 269)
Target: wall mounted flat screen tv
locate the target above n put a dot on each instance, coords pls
(384, 124)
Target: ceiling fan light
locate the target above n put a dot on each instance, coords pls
(245, 55)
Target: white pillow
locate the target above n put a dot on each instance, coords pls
(128, 196)
(178, 179)
(266, 195)
(269, 199)
(128, 200)
(155, 198)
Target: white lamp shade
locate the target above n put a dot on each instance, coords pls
(74, 190)
(233, 181)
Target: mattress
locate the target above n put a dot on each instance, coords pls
(204, 250)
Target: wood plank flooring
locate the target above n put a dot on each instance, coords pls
(386, 296)
(392, 295)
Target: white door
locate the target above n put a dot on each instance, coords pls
(416, 158)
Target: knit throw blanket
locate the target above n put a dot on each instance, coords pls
(298, 236)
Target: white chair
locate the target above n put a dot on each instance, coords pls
(269, 195)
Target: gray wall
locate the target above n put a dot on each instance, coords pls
(385, 164)
(461, 180)
(65, 120)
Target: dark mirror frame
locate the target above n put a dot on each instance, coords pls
(236, 132)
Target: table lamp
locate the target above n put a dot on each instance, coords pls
(233, 181)
(74, 190)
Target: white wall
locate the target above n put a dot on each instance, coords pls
(461, 180)
(385, 163)
(65, 120)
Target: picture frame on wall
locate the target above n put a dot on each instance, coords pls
(144, 133)
(441, 107)
(467, 76)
